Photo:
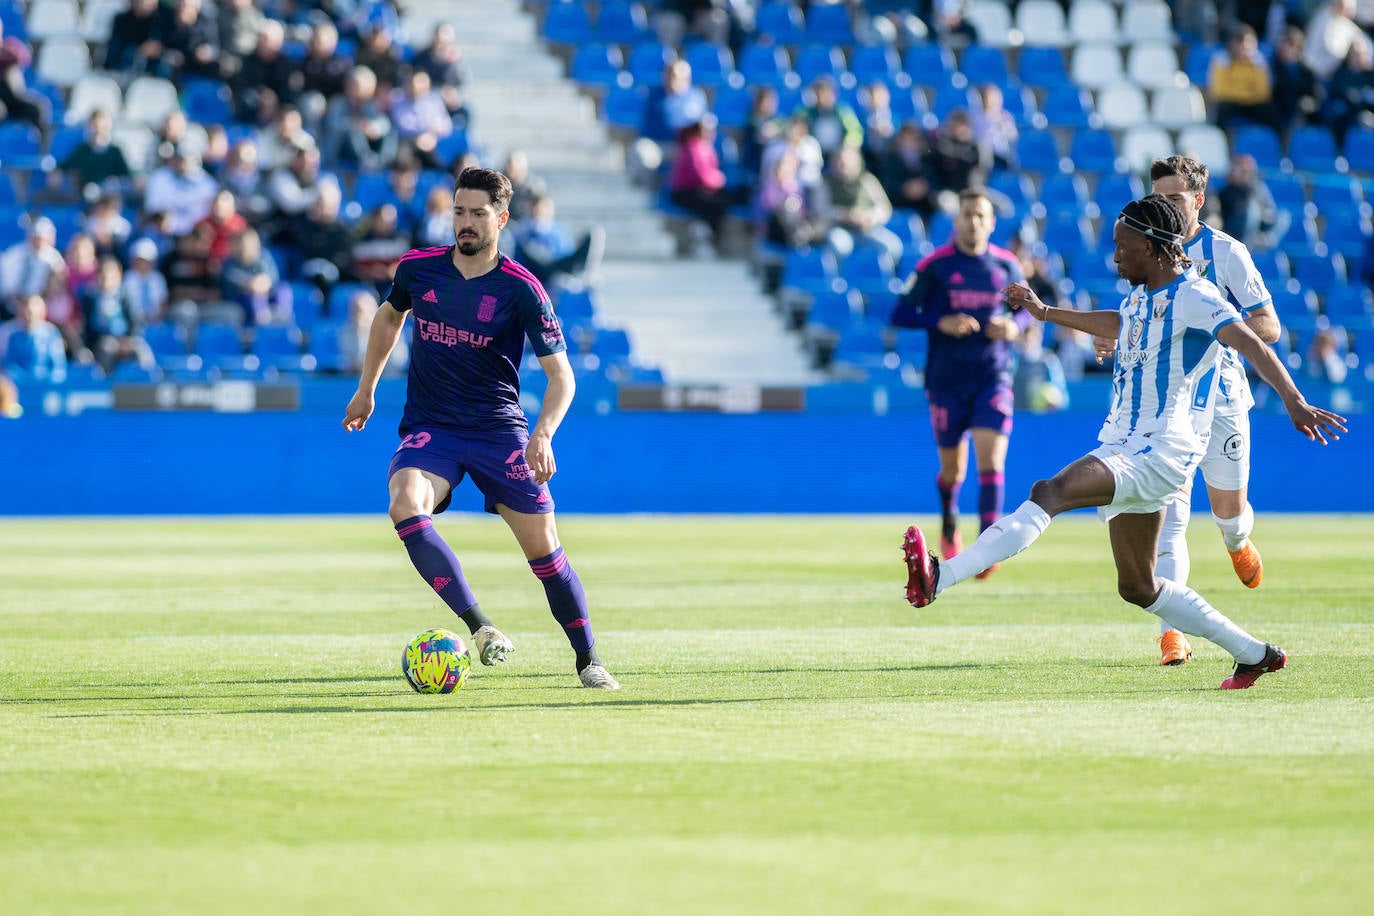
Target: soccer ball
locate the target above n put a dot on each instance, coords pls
(436, 661)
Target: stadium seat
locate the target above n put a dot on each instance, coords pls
(52, 19)
(1122, 106)
(280, 346)
(908, 227)
(62, 60)
(874, 63)
(828, 24)
(782, 20)
(1358, 149)
(1148, 20)
(1037, 151)
(97, 18)
(950, 98)
(815, 61)
(1042, 68)
(307, 303)
(1097, 65)
(764, 65)
(1332, 193)
(869, 270)
(833, 309)
(166, 338)
(1011, 189)
(8, 197)
(1299, 239)
(1272, 265)
(130, 372)
(207, 101)
(1042, 23)
(1115, 191)
(1068, 106)
(1093, 151)
(566, 22)
(1352, 306)
(908, 102)
(94, 92)
(1260, 142)
(612, 345)
(1094, 20)
(809, 271)
(622, 22)
(646, 62)
(1144, 144)
(992, 19)
(940, 227)
(1291, 301)
(1288, 193)
(1312, 149)
(12, 21)
(712, 65)
(149, 100)
(983, 64)
(1197, 63)
(1153, 64)
(215, 339)
(1347, 231)
(20, 146)
(624, 108)
(1177, 107)
(1207, 144)
(930, 65)
(596, 64)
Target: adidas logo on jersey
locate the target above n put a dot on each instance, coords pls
(430, 297)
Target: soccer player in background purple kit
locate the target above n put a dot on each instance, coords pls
(957, 298)
(474, 308)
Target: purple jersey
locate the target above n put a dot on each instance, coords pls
(948, 282)
(469, 339)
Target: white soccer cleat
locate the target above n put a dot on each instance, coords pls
(598, 678)
(492, 645)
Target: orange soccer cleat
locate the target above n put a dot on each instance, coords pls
(987, 572)
(1174, 648)
(1248, 565)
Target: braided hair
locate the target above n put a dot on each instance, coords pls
(1162, 222)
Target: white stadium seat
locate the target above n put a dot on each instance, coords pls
(1041, 22)
(1094, 21)
(94, 92)
(992, 19)
(1177, 107)
(1097, 65)
(51, 18)
(1148, 20)
(1154, 64)
(62, 60)
(149, 99)
(97, 19)
(1122, 106)
(136, 142)
(1207, 144)
(1143, 145)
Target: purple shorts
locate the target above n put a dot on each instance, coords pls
(953, 413)
(494, 459)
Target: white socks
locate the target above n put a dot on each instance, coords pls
(1172, 561)
(1235, 531)
(1188, 611)
(1004, 539)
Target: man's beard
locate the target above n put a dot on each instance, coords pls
(470, 245)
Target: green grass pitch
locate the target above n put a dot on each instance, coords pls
(208, 716)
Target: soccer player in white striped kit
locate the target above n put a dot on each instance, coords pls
(1169, 335)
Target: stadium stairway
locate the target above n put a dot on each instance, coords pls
(701, 322)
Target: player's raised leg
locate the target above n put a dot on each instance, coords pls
(990, 447)
(414, 495)
(538, 537)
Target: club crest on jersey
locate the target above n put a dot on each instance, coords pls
(486, 308)
(1203, 268)
(1161, 307)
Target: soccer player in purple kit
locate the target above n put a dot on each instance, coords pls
(957, 298)
(474, 308)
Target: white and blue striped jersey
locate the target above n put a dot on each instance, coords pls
(1225, 261)
(1166, 345)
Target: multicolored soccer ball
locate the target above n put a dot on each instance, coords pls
(436, 661)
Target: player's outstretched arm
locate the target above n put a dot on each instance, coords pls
(1099, 323)
(381, 340)
(1315, 423)
(557, 399)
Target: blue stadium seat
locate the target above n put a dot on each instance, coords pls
(1347, 231)
(1093, 151)
(1199, 61)
(11, 226)
(1333, 192)
(869, 269)
(1291, 301)
(337, 304)
(711, 64)
(621, 22)
(64, 141)
(20, 146)
(166, 338)
(646, 62)
(596, 64)
(764, 65)
(733, 103)
(1037, 151)
(1319, 272)
(130, 372)
(1312, 149)
(324, 345)
(567, 23)
(1067, 106)
(1262, 143)
(1272, 265)
(810, 270)
(833, 309)
(950, 98)
(1019, 102)
(215, 339)
(624, 107)
(67, 219)
(1116, 190)
(612, 345)
(815, 61)
(449, 149)
(1288, 192)
(372, 190)
(1299, 239)
(1069, 234)
(982, 64)
(12, 17)
(1042, 68)
(828, 24)
(280, 347)
(1359, 149)
(1064, 193)
(782, 20)
(207, 101)
(929, 65)
(1352, 306)
(908, 102)
(940, 227)
(7, 195)
(908, 227)
(1015, 189)
(307, 303)
(873, 63)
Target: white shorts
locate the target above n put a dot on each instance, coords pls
(1148, 474)
(1226, 466)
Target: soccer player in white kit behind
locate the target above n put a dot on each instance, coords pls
(1169, 333)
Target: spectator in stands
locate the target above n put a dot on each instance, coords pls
(994, 129)
(792, 214)
(326, 244)
(250, 278)
(293, 189)
(903, 171)
(182, 189)
(191, 41)
(113, 329)
(547, 249)
(156, 226)
(1350, 94)
(1038, 383)
(144, 286)
(216, 151)
(525, 186)
(673, 105)
(31, 347)
(362, 306)
(1330, 35)
(10, 408)
(859, 207)
(795, 138)
(832, 122)
(714, 21)
(135, 42)
(1239, 85)
(96, 160)
(107, 227)
(381, 243)
(279, 143)
(1295, 85)
(82, 264)
(880, 124)
(404, 181)
(436, 223)
(213, 237)
(238, 22)
(1325, 358)
(443, 60)
(16, 102)
(267, 68)
(242, 176)
(955, 162)
(323, 71)
(171, 135)
(420, 119)
(950, 24)
(26, 267)
(357, 132)
(1248, 210)
(763, 127)
(892, 22)
(378, 52)
(696, 182)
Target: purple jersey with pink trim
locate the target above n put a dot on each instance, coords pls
(950, 282)
(469, 339)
